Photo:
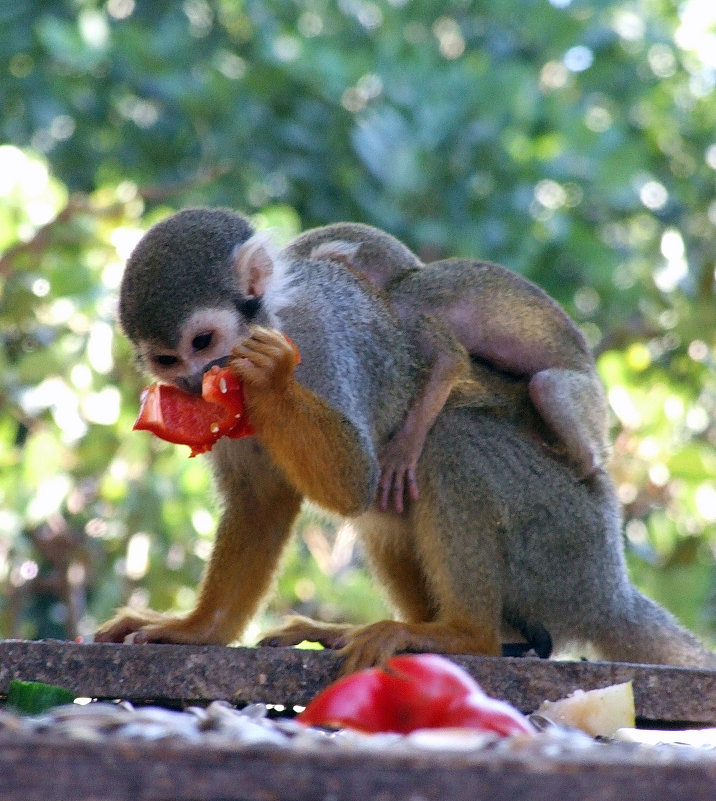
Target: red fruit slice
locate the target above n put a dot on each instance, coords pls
(479, 711)
(434, 674)
(221, 386)
(177, 416)
(358, 701)
(198, 421)
(413, 692)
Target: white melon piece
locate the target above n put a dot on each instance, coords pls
(598, 712)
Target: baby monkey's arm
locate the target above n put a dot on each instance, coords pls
(448, 363)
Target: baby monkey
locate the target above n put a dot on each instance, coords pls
(459, 308)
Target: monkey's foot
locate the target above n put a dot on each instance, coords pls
(296, 629)
(146, 625)
(376, 643)
(365, 646)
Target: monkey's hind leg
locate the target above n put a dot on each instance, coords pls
(390, 549)
(418, 583)
(573, 405)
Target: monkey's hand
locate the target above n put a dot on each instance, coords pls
(146, 625)
(398, 463)
(265, 362)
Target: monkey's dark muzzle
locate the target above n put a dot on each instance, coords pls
(192, 383)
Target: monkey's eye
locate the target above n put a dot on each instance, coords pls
(201, 341)
(166, 360)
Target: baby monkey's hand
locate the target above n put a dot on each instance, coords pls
(398, 463)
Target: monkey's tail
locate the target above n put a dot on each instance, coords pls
(642, 631)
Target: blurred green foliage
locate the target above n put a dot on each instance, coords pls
(571, 140)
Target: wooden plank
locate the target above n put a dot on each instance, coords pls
(661, 693)
(45, 766)
(197, 674)
(53, 770)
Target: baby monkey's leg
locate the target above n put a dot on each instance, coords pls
(573, 405)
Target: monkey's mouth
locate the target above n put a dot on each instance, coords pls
(193, 383)
(222, 361)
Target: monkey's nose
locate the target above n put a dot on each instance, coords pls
(190, 383)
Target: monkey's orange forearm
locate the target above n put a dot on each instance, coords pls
(317, 448)
(260, 509)
(249, 540)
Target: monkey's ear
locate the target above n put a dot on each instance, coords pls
(254, 264)
(338, 250)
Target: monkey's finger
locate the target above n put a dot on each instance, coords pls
(265, 355)
(254, 364)
(413, 491)
(117, 632)
(385, 486)
(263, 350)
(255, 343)
(398, 492)
(126, 622)
(242, 353)
(270, 340)
(267, 335)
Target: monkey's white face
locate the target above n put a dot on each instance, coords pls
(207, 338)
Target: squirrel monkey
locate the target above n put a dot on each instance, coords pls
(503, 537)
(494, 314)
